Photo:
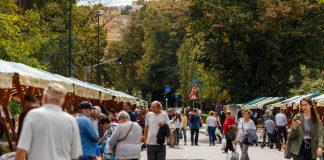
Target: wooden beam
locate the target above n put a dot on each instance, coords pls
(20, 92)
(6, 110)
(4, 102)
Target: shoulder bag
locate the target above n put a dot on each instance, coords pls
(245, 137)
(114, 150)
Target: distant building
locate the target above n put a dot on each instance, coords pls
(135, 6)
(114, 24)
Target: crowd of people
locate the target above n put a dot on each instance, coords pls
(47, 132)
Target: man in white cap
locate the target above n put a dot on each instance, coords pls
(48, 132)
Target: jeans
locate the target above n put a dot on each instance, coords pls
(156, 152)
(244, 149)
(229, 146)
(211, 134)
(194, 133)
(176, 136)
(86, 158)
(184, 132)
(281, 130)
(304, 153)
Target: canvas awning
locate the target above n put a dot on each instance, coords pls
(29, 76)
(261, 102)
(320, 103)
(37, 78)
(295, 103)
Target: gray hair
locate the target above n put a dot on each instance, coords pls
(97, 109)
(123, 114)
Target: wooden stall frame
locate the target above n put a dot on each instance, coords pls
(4, 102)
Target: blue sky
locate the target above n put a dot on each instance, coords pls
(106, 2)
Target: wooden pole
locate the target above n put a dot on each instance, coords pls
(4, 98)
(6, 110)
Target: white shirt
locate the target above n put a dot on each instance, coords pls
(211, 121)
(152, 122)
(244, 126)
(51, 134)
(95, 125)
(176, 123)
(281, 119)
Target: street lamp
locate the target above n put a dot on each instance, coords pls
(166, 104)
(70, 40)
(100, 13)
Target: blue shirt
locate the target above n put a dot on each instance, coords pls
(132, 116)
(194, 122)
(89, 138)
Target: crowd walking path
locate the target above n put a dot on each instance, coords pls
(206, 152)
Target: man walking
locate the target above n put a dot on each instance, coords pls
(128, 108)
(87, 132)
(48, 132)
(281, 122)
(264, 118)
(154, 121)
(194, 126)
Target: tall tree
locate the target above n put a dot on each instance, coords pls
(258, 46)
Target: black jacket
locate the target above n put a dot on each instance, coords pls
(162, 133)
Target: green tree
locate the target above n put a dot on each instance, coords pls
(20, 35)
(257, 46)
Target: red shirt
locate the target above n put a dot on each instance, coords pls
(228, 121)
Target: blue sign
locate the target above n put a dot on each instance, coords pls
(177, 96)
(167, 88)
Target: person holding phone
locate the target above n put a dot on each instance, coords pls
(306, 133)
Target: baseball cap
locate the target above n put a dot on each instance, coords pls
(86, 105)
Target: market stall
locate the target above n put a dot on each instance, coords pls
(26, 80)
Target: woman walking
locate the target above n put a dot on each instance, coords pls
(230, 137)
(126, 138)
(245, 126)
(306, 133)
(184, 126)
(211, 123)
(218, 128)
(176, 121)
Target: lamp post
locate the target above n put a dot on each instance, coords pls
(166, 104)
(70, 40)
(100, 13)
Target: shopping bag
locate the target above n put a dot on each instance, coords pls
(233, 155)
(223, 146)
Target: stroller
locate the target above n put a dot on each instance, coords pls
(271, 132)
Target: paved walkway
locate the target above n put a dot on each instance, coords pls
(206, 152)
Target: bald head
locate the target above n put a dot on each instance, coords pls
(96, 112)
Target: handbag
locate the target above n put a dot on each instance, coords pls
(246, 139)
(233, 155)
(114, 148)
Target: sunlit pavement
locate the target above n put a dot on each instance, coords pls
(206, 152)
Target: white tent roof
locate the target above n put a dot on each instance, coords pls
(33, 77)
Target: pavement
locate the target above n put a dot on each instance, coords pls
(206, 152)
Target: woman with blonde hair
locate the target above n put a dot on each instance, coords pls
(211, 123)
(245, 127)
